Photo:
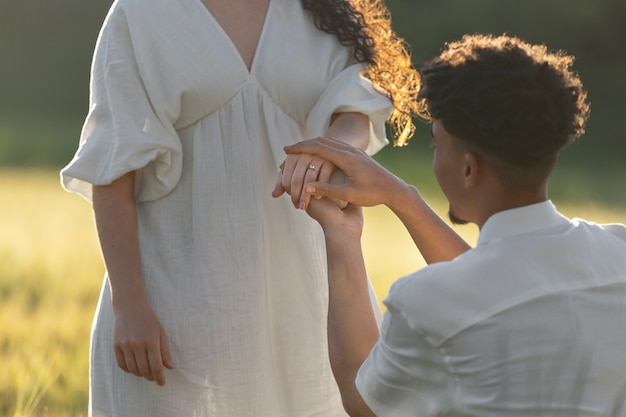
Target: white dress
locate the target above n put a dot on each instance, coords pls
(237, 278)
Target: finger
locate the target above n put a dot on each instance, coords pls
(165, 351)
(330, 149)
(278, 187)
(297, 180)
(288, 167)
(338, 177)
(318, 207)
(339, 157)
(326, 171)
(325, 189)
(120, 359)
(155, 362)
(131, 364)
(311, 175)
(143, 365)
(323, 210)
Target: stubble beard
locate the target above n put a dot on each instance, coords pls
(456, 220)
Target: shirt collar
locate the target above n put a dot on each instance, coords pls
(521, 220)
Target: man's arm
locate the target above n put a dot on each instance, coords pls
(352, 328)
(436, 241)
(368, 184)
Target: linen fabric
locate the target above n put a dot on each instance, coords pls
(236, 277)
(529, 323)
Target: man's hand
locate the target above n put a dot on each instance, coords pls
(338, 223)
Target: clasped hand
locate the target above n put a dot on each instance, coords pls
(367, 183)
(301, 171)
(296, 172)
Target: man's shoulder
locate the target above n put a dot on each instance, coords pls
(439, 299)
(616, 229)
(443, 276)
(446, 298)
(606, 242)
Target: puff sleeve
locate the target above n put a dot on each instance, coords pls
(349, 91)
(125, 129)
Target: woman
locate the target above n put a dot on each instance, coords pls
(211, 283)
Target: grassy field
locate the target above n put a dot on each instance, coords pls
(51, 271)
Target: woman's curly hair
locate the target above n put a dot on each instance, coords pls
(507, 98)
(365, 26)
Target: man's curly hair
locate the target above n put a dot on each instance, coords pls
(507, 98)
(365, 26)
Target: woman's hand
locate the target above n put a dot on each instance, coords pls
(140, 342)
(298, 170)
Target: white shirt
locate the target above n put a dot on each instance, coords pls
(530, 322)
(237, 278)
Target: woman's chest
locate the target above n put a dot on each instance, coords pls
(201, 68)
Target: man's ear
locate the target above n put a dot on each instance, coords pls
(472, 169)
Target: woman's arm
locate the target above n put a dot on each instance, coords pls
(350, 128)
(139, 339)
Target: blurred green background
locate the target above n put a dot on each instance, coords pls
(46, 49)
(592, 30)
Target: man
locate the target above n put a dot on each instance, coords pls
(530, 322)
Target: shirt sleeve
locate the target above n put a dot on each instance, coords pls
(124, 130)
(349, 91)
(616, 229)
(404, 376)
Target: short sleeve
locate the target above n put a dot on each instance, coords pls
(349, 91)
(404, 375)
(124, 130)
(616, 229)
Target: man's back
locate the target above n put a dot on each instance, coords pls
(530, 322)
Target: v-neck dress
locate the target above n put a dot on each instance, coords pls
(236, 277)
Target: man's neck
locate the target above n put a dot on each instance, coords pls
(506, 200)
